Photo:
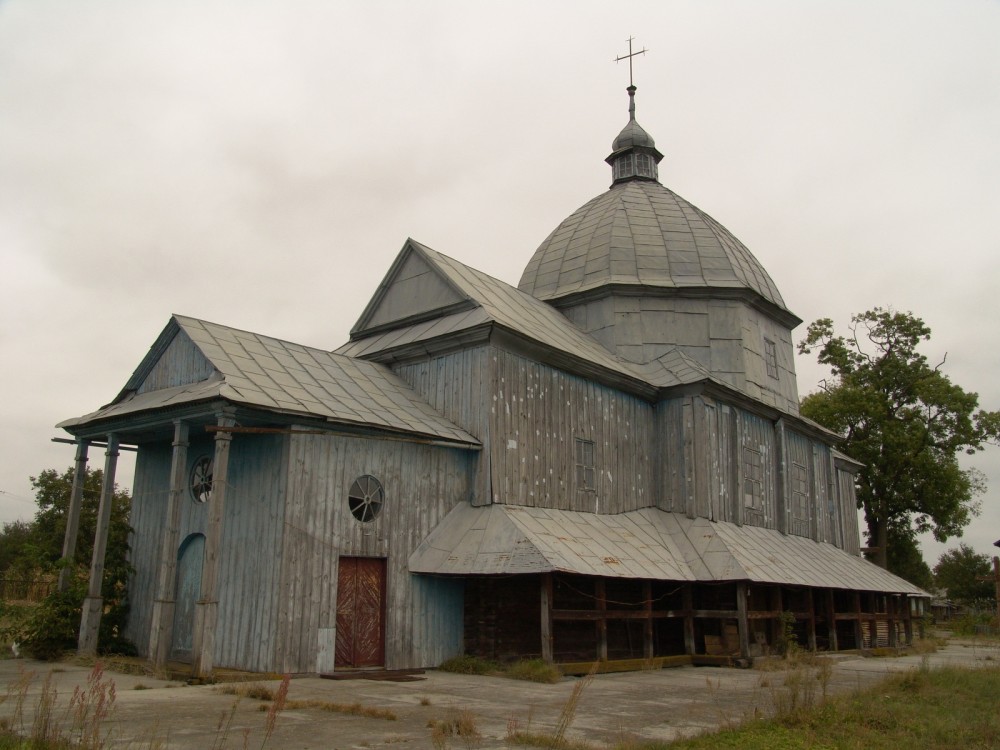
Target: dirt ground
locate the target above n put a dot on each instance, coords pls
(663, 704)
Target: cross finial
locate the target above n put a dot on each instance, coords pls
(629, 57)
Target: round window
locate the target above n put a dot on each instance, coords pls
(201, 480)
(365, 498)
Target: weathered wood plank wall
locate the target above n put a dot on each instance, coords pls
(537, 414)
(252, 522)
(421, 484)
(180, 364)
(459, 385)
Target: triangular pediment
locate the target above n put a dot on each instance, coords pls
(174, 359)
(413, 290)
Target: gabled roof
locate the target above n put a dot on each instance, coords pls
(479, 300)
(646, 544)
(267, 373)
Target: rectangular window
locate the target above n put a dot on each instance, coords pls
(771, 358)
(800, 492)
(753, 479)
(585, 465)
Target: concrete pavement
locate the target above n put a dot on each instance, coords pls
(663, 704)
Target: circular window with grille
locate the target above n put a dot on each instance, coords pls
(365, 498)
(201, 480)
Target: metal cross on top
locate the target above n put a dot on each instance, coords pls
(629, 57)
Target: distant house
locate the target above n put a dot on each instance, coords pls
(606, 462)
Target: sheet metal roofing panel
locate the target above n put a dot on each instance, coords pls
(352, 391)
(770, 556)
(648, 544)
(159, 399)
(269, 373)
(526, 315)
(640, 232)
(501, 539)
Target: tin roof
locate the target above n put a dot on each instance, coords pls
(642, 233)
(648, 543)
(275, 375)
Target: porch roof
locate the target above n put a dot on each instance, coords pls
(647, 543)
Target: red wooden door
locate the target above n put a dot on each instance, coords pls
(360, 612)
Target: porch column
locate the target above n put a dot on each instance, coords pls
(93, 604)
(743, 622)
(207, 608)
(161, 629)
(546, 612)
(73, 515)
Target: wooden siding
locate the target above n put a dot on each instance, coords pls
(459, 385)
(180, 364)
(800, 477)
(253, 514)
(538, 412)
(757, 452)
(421, 484)
(848, 503)
(725, 336)
(415, 289)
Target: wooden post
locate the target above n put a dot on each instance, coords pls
(892, 600)
(207, 608)
(546, 591)
(831, 615)
(647, 592)
(743, 622)
(73, 514)
(687, 602)
(777, 603)
(859, 633)
(602, 622)
(996, 581)
(811, 623)
(908, 620)
(783, 492)
(161, 630)
(93, 604)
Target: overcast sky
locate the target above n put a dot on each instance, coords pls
(260, 164)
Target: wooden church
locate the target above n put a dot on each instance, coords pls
(606, 462)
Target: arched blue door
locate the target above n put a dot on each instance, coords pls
(190, 559)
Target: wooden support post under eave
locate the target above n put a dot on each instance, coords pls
(831, 620)
(93, 604)
(743, 622)
(207, 607)
(73, 515)
(892, 602)
(161, 627)
(546, 611)
(647, 592)
(859, 632)
(687, 603)
(602, 622)
(908, 620)
(811, 623)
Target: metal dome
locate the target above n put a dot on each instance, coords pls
(641, 233)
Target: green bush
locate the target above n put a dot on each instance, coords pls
(48, 630)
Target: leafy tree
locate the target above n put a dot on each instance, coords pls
(16, 543)
(51, 627)
(52, 493)
(905, 421)
(958, 570)
(904, 559)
